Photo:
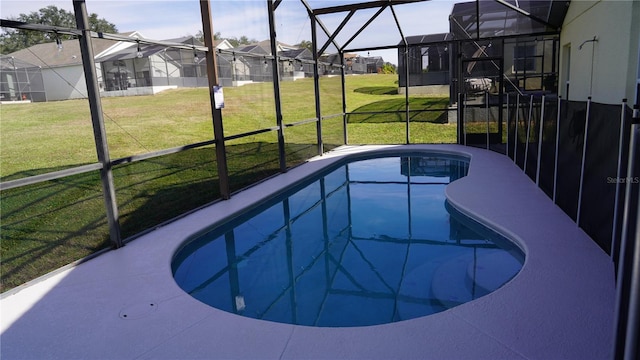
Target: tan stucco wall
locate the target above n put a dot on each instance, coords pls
(616, 24)
(634, 53)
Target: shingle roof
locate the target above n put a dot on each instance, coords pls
(263, 47)
(47, 55)
(8, 63)
(189, 40)
(253, 48)
(297, 54)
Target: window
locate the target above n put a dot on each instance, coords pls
(524, 58)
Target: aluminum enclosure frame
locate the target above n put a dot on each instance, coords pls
(105, 164)
(272, 6)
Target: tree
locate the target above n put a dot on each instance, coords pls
(200, 36)
(235, 42)
(388, 68)
(305, 44)
(15, 39)
(243, 40)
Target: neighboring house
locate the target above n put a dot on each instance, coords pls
(296, 64)
(62, 71)
(373, 63)
(354, 64)
(349, 61)
(127, 68)
(131, 69)
(328, 64)
(253, 63)
(123, 68)
(265, 46)
(245, 64)
(364, 64)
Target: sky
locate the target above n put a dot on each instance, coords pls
(168, 19)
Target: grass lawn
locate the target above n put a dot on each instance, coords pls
(47, 225)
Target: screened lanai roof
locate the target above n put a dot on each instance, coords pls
(10, 63)
(489, 19)
(357, 25)
(131, 52)
(363, 25)
(428, 39)
(345, 24)
(147, 50)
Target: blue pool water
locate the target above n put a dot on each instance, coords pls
(369, 242)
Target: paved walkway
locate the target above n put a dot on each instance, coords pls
(560, 306)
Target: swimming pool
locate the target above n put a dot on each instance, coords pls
(369, 241)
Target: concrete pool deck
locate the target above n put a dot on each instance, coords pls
(124, 304)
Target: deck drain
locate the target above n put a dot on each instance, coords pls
(139, 310)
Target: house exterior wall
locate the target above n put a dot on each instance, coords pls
(638, 78)
(633, 87)
(158, 71)
(612, 59)
(64, 83)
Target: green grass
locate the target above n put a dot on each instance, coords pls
(429, 123)
(47, 225)
(378, 90)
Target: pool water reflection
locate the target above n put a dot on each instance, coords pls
(370, 242)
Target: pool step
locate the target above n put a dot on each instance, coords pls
(493, 269)
(468, 277)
